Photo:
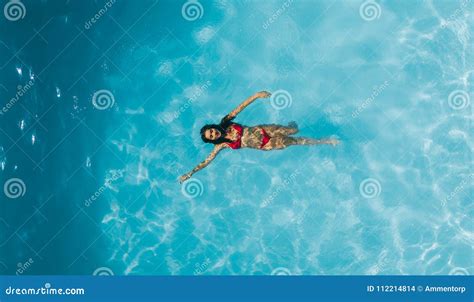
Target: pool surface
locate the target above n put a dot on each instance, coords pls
(103, 102)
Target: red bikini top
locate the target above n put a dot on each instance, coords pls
(236, 144)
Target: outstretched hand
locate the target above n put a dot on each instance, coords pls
(184, 177)
(263, 94)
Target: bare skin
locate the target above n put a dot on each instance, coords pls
(252, 136)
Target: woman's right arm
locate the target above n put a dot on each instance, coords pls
(205, 163)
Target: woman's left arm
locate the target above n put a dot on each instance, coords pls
(233, 113)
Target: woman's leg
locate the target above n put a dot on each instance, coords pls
(281, 142)
(278, 130)
(312, 141)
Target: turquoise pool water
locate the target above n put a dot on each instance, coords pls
(113, 120)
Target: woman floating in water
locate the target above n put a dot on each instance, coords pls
(264, 137)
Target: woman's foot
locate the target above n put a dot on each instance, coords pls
(329, 141)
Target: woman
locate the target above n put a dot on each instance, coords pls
(264, 137)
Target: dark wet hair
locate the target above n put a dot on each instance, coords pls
(222, 128)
